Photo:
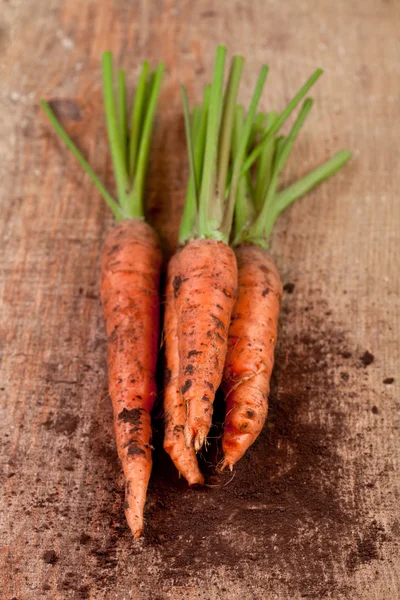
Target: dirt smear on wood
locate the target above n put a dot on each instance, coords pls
(287, 509)
(289, 516)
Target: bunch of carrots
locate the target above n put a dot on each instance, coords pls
(223, 289)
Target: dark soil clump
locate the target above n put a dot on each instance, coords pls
(50, 557)
(367, 358)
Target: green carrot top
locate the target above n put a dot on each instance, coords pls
(258, 201)
(228, 149)
(129, 142)
(218, 157)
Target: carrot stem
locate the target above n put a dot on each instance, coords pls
(241, 204)
(112, 204)
(264, 166)
(201, 133)
(304, 185)
(123, 131)
(137, 118)
(190, 143)
(227, 122)
(256, 232)
(117, 155)
(188, 227)
(238, 160)
(280, 120)
(127, 152)
(258, 127)
(209, 205)
(135, 198)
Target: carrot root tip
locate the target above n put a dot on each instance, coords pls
(199, 439)
(226, 463)
(138, 533)
(188, 437)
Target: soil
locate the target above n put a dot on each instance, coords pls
(285, 505)
(367, 358)
(289, 507)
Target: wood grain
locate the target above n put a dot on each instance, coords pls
(62, 533)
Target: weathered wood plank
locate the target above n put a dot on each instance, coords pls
(326, 519)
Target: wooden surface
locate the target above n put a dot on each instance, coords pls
(62, 531)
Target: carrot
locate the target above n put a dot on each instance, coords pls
(130, 273)
(174, 409)
(204, 282)
(253, 330)
(204, 270)
(250, 357)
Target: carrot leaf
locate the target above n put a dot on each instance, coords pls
(284, 146)
(116, 147)
(116, 210)
(242, 207)
(129, 150)
(305, 184)
(188, 226)
(135, 198)
(208, 203)
(137, 118)
(227, 122)
(281, 119)
(264, 165)
(190, 144)
(123, 131)
(240, 155)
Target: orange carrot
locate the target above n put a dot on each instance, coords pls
(253, 329)
(130, 270)
(251, 344)
(204, 280)
(130, 275)
(174, 408)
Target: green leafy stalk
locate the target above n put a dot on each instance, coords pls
(117, 153)
(210, 207)
(238, 161)
(189, 216)
(244, 209)
(256, 232)
(190, 143)
(123, 129)
(137, 118)
(116, 210)
(135, 199)
(310, 181)
(201, 133)
(188, 226)
(280, 120)
(124, 155)
(242, 215)
(258, 127)
(264, 166)
(228, 116)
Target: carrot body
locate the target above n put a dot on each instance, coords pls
(130, 273)
(183, 457)
(204, 282)
(251, 344)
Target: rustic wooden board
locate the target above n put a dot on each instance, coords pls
(326, 515)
